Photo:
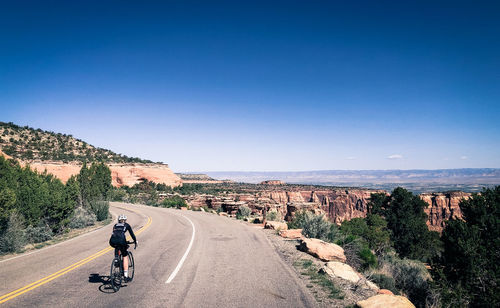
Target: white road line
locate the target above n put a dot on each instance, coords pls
(174, 273)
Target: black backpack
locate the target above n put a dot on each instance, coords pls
(118, 236)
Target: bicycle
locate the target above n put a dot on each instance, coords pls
(117, 275)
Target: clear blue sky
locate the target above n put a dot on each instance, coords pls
(268, 86)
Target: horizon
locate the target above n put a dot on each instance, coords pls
(321, 170)
(281, 86)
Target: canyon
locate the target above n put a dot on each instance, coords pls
(337, 205)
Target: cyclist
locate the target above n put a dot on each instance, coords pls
(119, 242)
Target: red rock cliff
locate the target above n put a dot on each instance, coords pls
(122, 174)
(338, 205)
(441, 207)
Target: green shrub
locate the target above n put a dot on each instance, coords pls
(100, 209)
(82, 218)
(174, 201)
(369, 260)
(14, 238)
(272, 215)
(244, 211)
(411, 277)
(117, 194)
(316, 226)
(385, 282)
(357, 252)
(299, 219)
(38, 234)
(373, 229)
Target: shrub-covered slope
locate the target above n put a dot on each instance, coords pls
(28, 144)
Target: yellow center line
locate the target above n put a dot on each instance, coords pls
(67, 269)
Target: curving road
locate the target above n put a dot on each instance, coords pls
(208, 261)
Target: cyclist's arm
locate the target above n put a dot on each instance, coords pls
(132, 233)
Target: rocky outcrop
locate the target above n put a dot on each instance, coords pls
(384, 301)
(121, 174)
(337, 204)
(346, 272)
(275, 225)
(292, 234)
(322, 250)
(442, 207)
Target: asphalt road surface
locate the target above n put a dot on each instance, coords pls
(184, 259)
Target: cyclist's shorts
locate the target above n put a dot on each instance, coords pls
(122, 248)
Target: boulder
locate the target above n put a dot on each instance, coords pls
(385, 291)
(183, 208)
(346, 272)
(292, 233)
(342, 270)
(223, 214)
(385, 300)
(322, 250)
(275, 225)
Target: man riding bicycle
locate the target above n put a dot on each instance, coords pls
(119, 242)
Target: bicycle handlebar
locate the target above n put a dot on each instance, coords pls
(132, 242)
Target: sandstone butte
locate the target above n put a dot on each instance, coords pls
(121, 174)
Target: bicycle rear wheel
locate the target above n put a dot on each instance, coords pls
(131, 266)
(115, 275)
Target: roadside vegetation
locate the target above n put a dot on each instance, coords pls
(308, 269)
(35, 207)
(392, 243)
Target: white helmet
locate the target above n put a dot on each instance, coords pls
(122, 217)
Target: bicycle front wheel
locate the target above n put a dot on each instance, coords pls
(115, 276)
(131, 266)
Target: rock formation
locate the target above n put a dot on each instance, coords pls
(337, 204)
(346, 272)
(322, 250)
(442, 207)
(121, 174)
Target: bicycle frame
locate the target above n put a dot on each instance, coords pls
(118, 263)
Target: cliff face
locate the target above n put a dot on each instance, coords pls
(442, 207)
(337, 204)
(121, 174)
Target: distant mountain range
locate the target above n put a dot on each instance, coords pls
(470, 179)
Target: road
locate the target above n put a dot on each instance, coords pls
(209, 261)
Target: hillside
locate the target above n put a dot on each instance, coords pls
(62, 155)
(29, 144)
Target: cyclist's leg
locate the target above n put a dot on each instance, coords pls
(125, 258)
